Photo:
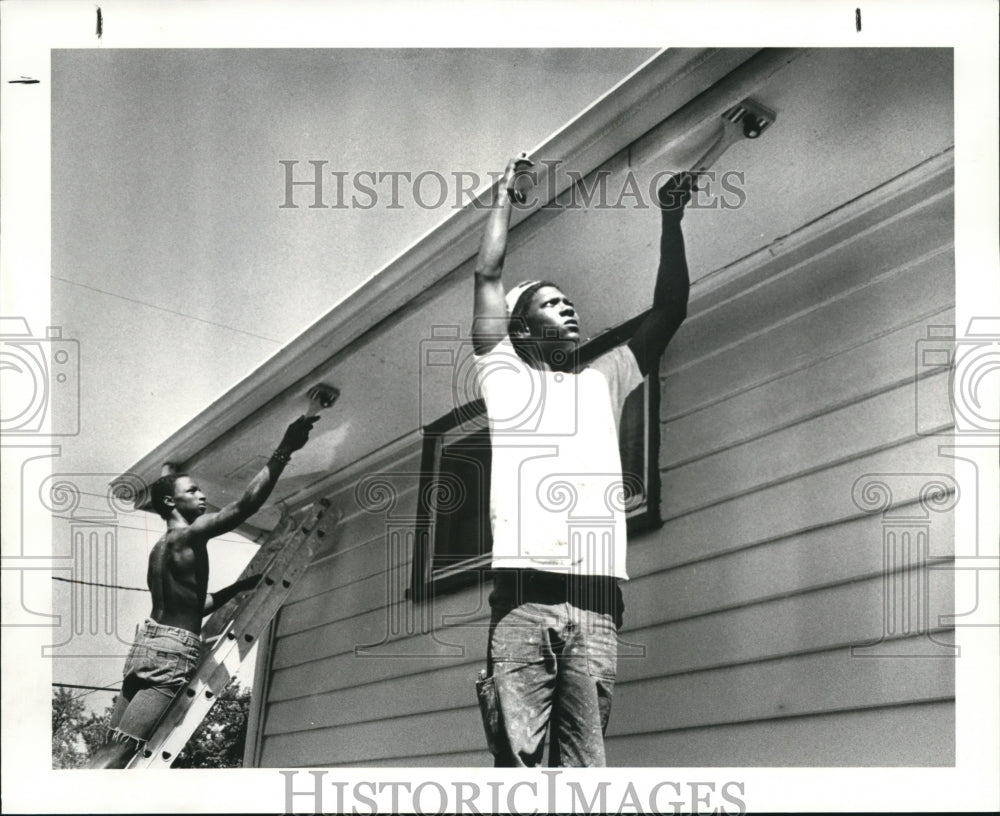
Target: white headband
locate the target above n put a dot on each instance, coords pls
(516, 292)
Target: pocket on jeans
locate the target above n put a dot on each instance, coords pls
(167, 665)
(489, 708)
(517, 638)
(159, 668)
(602, 652)
(602, 666)
(186, 664)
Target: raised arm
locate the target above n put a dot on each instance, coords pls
(489, 318)
(234, 514)
(670, 297)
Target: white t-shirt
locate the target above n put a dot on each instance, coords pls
(556, 499)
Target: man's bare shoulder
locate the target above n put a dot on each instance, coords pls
(176, 541)
(160, 547)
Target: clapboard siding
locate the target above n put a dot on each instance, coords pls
(345, 566)
(428, 759)
(839, 379)
(730, 578)
(340, 637)
(359, 525)
(399, 656)
(775, 687)
(845, 614)
(851, 221)
(880, 253)
(819, 499)
(341, 603)
(823, 557)
(811, 684)
(659, 640)
(785, 387)
(383, 700)
(921, 734)
(806, 684)
(399, 737)
(722, 372)
(881, 421)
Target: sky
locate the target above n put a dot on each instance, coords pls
(177, 271)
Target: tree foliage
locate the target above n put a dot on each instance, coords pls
(219, 739)
(216, 743)
(76, 734)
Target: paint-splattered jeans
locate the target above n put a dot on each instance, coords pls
(551, 667)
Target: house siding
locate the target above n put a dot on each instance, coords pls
(789, 609)
(744, 606)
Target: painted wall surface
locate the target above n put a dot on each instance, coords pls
(797, 460)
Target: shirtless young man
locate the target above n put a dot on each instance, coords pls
(166, 651)
(556, 606)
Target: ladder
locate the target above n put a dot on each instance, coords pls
(232, 632)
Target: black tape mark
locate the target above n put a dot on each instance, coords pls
(23, 81)
(857, 19)
(100, 23)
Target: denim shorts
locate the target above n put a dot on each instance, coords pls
(162, 660)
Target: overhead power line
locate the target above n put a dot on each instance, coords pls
(91, 688)
(157, 532)
(164, 309)
(98, 584)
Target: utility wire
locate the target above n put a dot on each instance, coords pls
(92, 688)
(164, 309)
(147, 530)
(97, 584)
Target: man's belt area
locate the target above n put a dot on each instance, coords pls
(595, 593)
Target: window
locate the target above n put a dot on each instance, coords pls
(455, 482)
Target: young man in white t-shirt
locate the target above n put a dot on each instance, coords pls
(556, 493)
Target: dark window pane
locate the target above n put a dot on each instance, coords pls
(460, 508)
(633, 447)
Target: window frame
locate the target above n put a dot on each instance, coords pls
(425, 580)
